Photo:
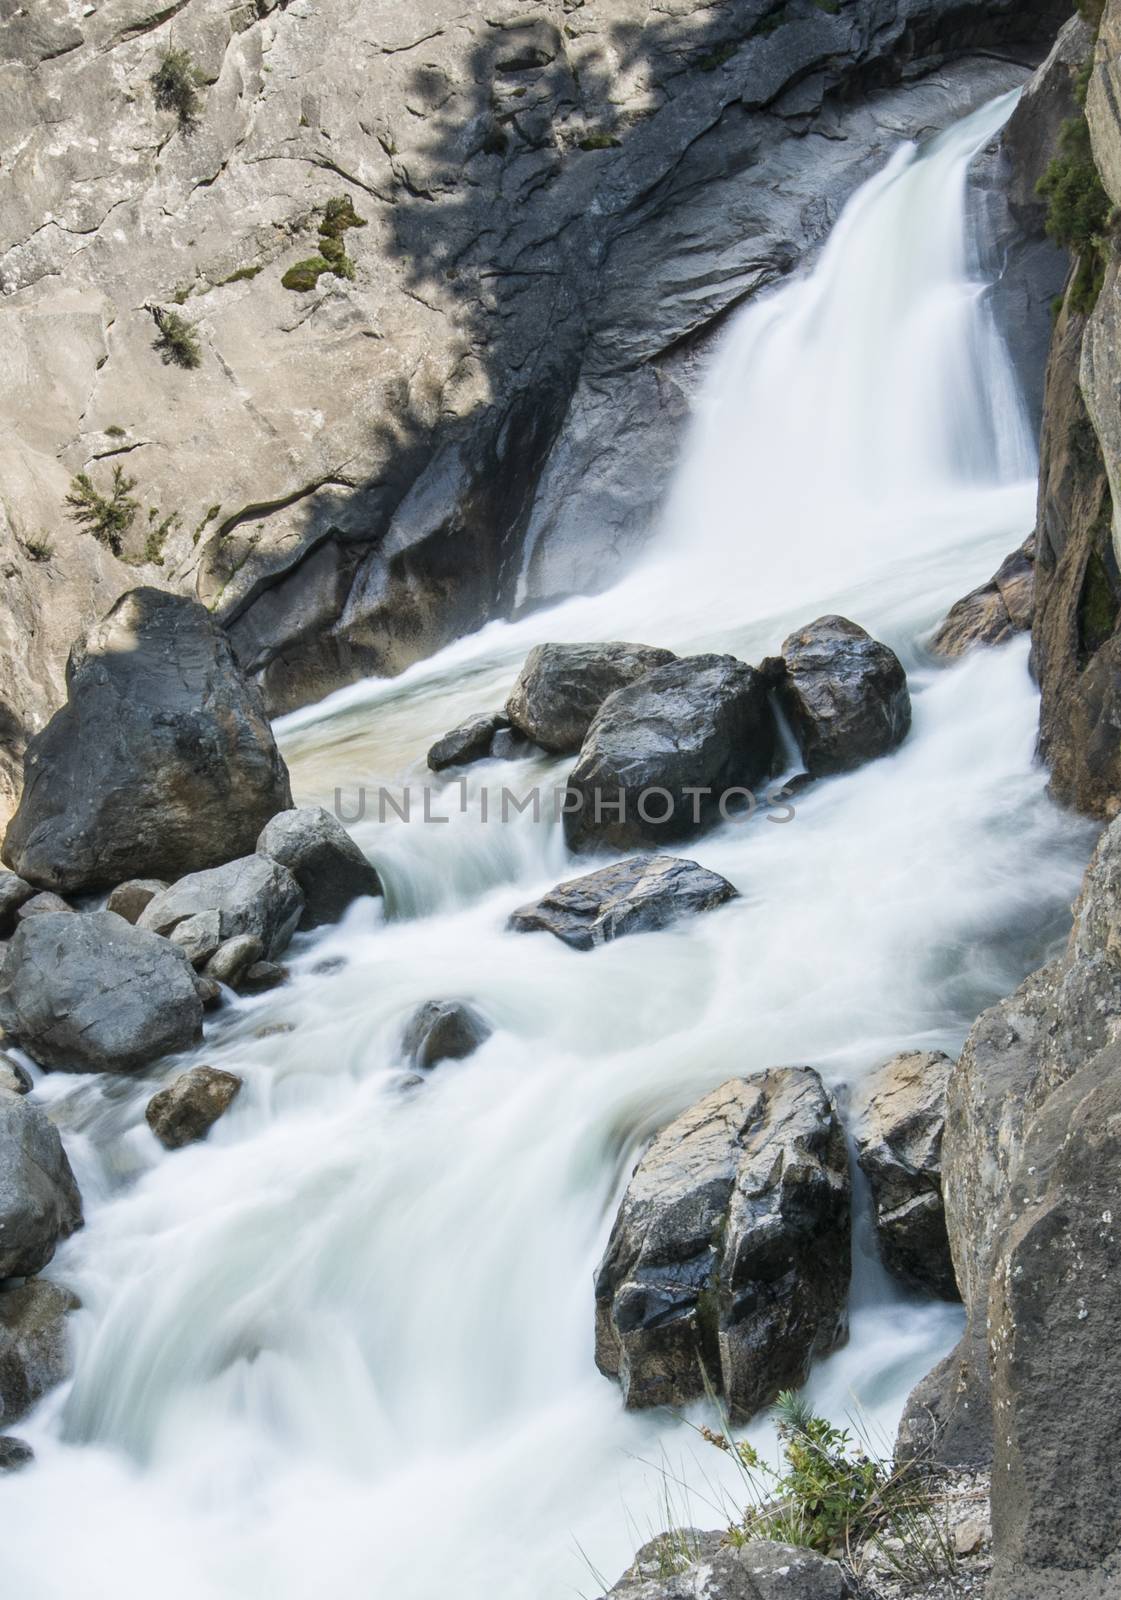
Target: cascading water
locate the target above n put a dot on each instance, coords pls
(344, 1347)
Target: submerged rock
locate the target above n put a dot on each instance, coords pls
(92, 994)
(329, 867)
(729, 1257)
(670, 755)
(688, 1565)
(993, 612)
(845, 695)
(190, 1105)
(14, 1454)
(130, 898)
(39, 1200)
(901, 1112)
(161, 762)
(562, 686)
(639, 895)
(253, 895)
(34, 1346)
(443, 1030)
(262, 976)
(471, 741)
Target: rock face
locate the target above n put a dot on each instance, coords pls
(39, 1200)
(471, 741)
(898, 1136)
(443, 1030)
(665, 757)
(161, 762)
(562, 686)
(34, 1348)
(190, 1105)
(253, 895)
(760, 1570)
(845, 695)
(637, 896)
(993, 612)
(347, 502)
(329, 867)
(730, 1252)
(92, 994)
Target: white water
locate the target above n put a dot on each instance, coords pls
(344, 1347)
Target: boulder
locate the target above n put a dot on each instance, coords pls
(39, 904)
(232, 960)
(252, 895)
(993, 612)
(471, 741)
(34, 1347)
(900, 1114)
(190, 1105)
(161, 762)
(663, 758)
(14, 1078)
(443, 1030)
(639, 895)
(729, 1256)
(845, 695)
(92, 994)
(562, 687)
(130, 898)
(39, 1200)
(209, 991)
(198, 937)
(14, 1454)
(329, 867)
(703, 1566)
(262, 976)
(14, 892)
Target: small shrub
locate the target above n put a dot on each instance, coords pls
(176, 340)
(107, 517)
(1078, 211)
(339, 215)
(240, 275)
(115, 431)
(158, 531)
(175, 86)
(37, 547)
(182, 293)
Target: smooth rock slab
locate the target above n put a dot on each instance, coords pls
(39, 1200)
(562, 687)
(443, 1030)
(760, 1570)
(639, 895)
(845, 695)
(329, 867)
(190, 1105)
(34, 1348)
(730, 1252)
(252, 895)
(91, 993)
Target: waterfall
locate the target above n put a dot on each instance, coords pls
(345, 1346)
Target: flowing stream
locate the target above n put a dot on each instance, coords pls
(344, 1347)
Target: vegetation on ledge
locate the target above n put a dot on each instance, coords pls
(338, 215)
(175, 87)
(107, 517)
(177, 341)
(1078, 208)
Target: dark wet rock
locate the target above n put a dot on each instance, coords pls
(14, 892)
(14, 1454)
(730, 1253)
(191, 1104)
(34, 1344)
(263, 976)
(443, 1030)
(664, 757)
(704, 1566)
(209, 991)
(232, 960)
(39, 1200)
(993, 612)
(471, 741)
(40, 904)
(252, 895)
(161, 762)
(93, 994)
(14, 1078)
(845, 695)
(329, 867)
(562, 687)
(639, 895)
(510, 745)
(131, 898)
(900, 1115)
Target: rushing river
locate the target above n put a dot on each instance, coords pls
(344, 1348)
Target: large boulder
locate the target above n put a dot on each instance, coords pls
(252, 895)
(636, 896)
(729, 1257)
(190, 1105)
(688, 1565)
(161, 762)
(845, 694)
(329, 867)
(92, 993)
(443, 1030)
(670, 755)
(34, 1347)
(993, 612)
(39, 1200)
(900, 1114)
(562, 686)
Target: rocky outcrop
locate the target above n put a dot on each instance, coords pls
(254, 895)
(994, 611)
(729, 1257)
(191, 1104)
(443, 1030)
(637, 896)
(845, 695)
(473, 740)
(704, 1566)
(562, 687)
(39, 1199)
(93, 994)
(900, 1113)
(329, 867)
(34, 1346)
(161, 762)
(668, 756)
